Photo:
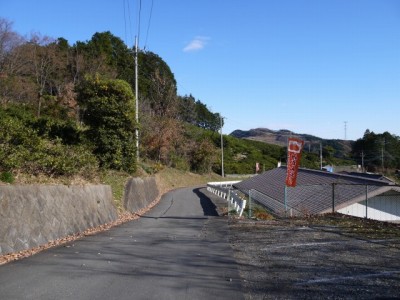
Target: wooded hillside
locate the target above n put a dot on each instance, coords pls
(70, 110)
(73, 95)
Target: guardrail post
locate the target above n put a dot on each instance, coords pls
(242, 208)
(366, 201)
(333, 197)
(250, 212)
(229, 200)
(285, 200)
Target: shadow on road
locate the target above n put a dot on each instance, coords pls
(209, 208)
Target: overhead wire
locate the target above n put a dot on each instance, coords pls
(148, 24)
(130, 22)
(139, 20)
(126, 38)
(127, 11)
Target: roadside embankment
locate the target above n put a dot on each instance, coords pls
(140, 193)
(32, 215)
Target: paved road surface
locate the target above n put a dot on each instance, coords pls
(177, 251)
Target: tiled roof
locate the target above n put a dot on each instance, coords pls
(371, 176)
(314, 190)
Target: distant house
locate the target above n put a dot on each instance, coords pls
(328, 168)
(319, 192)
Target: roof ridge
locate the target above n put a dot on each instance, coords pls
(344, 176)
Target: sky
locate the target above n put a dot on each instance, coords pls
(330, 68)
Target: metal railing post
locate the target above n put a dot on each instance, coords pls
(366, 201)
(250, 204)
(285, 200)
(229, 201)
(333, 197)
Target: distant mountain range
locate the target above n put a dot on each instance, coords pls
(279, 137)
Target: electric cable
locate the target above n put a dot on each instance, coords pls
(148, 25)
(139, 17)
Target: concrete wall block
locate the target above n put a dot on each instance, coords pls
(32, 215)
(139, 193)
(151, 189)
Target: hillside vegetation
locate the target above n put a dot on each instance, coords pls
(67, 113)
(373, 152)
(338, 148)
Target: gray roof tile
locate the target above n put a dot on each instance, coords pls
(313, 193)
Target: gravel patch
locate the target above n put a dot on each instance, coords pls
(329, 257)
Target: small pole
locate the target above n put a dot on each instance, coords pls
(250, 204)
(320, 155)
(366, 201)
(362, 162)
(285, 199)
(137, 99)
(333, 197)
(222, 151)
(229, 201)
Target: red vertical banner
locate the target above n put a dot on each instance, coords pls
(295, 146)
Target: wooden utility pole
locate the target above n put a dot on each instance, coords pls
(137, 99)
(222, 150)
(320, 153)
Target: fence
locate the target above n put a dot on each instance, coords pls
(275, 207)
(368, 201)
(224, 190)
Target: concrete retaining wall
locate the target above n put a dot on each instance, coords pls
(139, 193)
(33, 215)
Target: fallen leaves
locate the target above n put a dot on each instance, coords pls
(122, 218)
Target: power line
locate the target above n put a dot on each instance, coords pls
(148, 25)
(127, 11)
(139, 17)
(130, 22)
(126, 39)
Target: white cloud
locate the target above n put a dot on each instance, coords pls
(198, 43)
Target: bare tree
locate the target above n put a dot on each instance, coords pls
(43, 57)
(11, 64)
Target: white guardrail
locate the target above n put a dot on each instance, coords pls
(224, 190)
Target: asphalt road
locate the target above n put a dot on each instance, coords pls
(179, 250)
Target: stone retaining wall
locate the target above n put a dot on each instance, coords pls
(139, 193)
(32, 215)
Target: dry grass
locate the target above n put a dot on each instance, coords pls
(167, 179)
(353, 226)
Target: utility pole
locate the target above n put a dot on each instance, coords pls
(362, 161)
(137, 99)
(345, 130)
(320, 153)
(222, 151)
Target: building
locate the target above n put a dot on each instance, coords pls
(319, 192)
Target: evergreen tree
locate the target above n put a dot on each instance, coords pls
(109, 111)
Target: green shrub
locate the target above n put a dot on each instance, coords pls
(22, 149)
(66, 130)
(110, 114)
(179, 162)
(7, 177)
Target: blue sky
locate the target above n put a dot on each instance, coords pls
(304, 65)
